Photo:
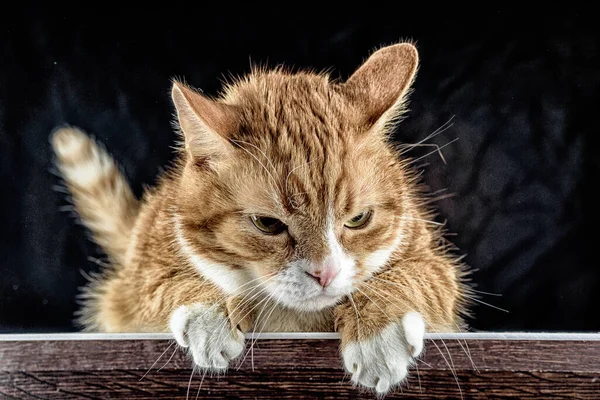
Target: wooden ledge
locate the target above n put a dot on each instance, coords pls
(292, 366)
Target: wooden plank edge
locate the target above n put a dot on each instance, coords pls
(308, 354)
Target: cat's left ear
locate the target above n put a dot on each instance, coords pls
(206, 124)
(380, 86)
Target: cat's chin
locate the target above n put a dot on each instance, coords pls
(313, 304)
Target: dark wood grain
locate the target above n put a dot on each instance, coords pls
(292, 369)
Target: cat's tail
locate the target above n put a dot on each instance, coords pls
(100, 193)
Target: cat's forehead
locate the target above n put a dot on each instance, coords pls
(314, 182)
(277, 103)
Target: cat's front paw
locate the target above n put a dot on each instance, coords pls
(381, 362)
(208, 335)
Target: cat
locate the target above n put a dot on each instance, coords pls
(287, 209)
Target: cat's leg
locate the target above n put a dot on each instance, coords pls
(382, 325)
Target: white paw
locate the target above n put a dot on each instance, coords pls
(206, 332)
(382, 361)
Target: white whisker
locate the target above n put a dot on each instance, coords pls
(159, 357)
(486, 304)
(487, 293)
(422, 220)
(169, 360)
(445, 126)
(264, 301)
(266, 320)
(449, 366)
(187, 395)
(431, 152)
(200, 386)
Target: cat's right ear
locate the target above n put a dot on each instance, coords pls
(381, 84)
(205, 124)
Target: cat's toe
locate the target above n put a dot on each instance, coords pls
(381, 362)
(414, 332)
(207, 333)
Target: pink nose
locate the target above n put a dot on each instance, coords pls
(325, 275)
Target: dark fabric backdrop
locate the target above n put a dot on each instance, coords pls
(521, 88)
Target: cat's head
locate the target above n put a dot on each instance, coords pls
(289, 180)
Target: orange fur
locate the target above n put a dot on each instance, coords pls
(298, 147)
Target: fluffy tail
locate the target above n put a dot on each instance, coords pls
(100, 192)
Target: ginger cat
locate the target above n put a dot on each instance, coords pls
(287, 210)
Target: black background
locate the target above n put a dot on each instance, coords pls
(521, 89)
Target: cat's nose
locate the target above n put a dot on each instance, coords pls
(325, 275)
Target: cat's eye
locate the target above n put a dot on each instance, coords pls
(268, 225)
(359, 221)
